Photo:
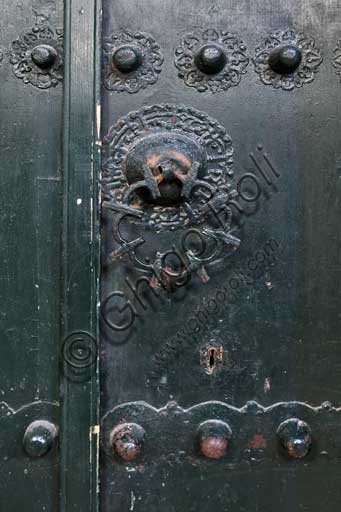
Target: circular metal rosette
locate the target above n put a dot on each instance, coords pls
(211, 60)
(37, 56)
(287, 60)
(337, 59)
(169, 167)
(132, 61)
(163, 163)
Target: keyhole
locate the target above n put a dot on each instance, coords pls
(212, 361)
(211, 357)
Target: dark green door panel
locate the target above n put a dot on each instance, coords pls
(213, 372)
(30, 188)
(49, 250)
(201, 139)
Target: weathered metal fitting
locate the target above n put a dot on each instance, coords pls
(337, 59)
(295, 437)
(132, 61)
(127, 58)
(196, 169)
(127, 440)
(203, 53)
(37, 56)
(44, 56)
(214, 438)
(285, 59)
(210, 59)
(39, 438)
(163, 167)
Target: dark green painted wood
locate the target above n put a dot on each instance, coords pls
(80, 255)
(280, 333)
(30, 205)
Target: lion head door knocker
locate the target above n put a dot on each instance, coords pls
(169, 168)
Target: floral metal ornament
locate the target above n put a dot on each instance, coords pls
(169, 167)
(132, 61)
(287, 60)
(37, 56)
(337, 59)
(211, 60)
(121, 189)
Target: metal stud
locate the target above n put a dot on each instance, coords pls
(127, 58)
(285, 59)
(39, 438)
(213, 438)
(210, 59)
(44, 56)
(295, 437)
(127, 440)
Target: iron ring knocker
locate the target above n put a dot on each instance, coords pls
(126, 246)
(193, 262)
(152, 185)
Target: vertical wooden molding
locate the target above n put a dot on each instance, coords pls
(80, 287)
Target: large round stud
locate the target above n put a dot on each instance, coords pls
(295, 437)
(214, 437)
(210, 59)
(39, 438)
(285, 59)
(127, 58)
(44, 56)
(127, 440)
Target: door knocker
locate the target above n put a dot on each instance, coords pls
(169, 168)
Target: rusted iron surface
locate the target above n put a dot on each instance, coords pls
(127, 441)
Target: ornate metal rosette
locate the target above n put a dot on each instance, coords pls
(170, 118)
(139, 76)
(233, 51)
(310, 60)
(337, 59)
(37, 56)
(169, 167)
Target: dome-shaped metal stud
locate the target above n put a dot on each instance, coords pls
(295, 437)
(44, 56)
(214, 438)
(285, 59)
(210, 59)
(127, 58)
(39, 438)
(127, 440)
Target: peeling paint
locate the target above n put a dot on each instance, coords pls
(132, 500)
